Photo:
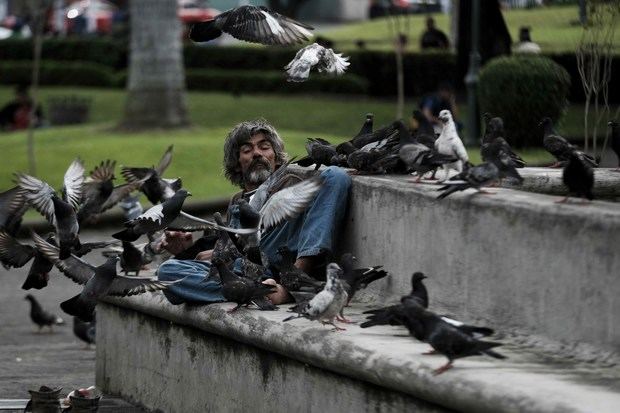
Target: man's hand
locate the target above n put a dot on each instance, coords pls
(176, 242)
(281, 296)
(204, 255)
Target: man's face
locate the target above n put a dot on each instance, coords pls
(257, 160)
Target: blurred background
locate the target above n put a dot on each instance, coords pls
(402, 52)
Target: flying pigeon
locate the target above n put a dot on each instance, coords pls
(256, 24)
(327, 304)
(443, 337)
(155, 218)
(85, 331)
(615, 140)
(60, 212)
(99, 192)
(578, 177)
(449, 143)
(41, 317)
(97, 281)
(12, 252)
(150, 181)
(238, 289)
(421, 159)
(473, 177)
(13, 206)
(323, 58)
(559, 147)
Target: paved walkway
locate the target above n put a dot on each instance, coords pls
(29, 359)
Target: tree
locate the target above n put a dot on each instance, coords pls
(156, 83)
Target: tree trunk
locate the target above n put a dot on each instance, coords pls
(156, 82)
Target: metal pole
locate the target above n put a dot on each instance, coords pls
(471, 79)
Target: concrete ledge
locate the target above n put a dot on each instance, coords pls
(148, 350)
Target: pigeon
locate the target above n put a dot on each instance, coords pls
(421, 159)
(12, 253)
(313, 55)
(327, 304)
(155, 218)
(13, 206)
(41, 317)
(99, 192)
(60, 212)
(559, 147)
(359, 141)
(98, 281)
(499, 153)
(256, 24)
(443, 337)
(150, 181)
(225, 249)
(293, 278)
(424, 133)
(320, 152)
(473, 177)
(85, 331)
(615, 140)
(367, 125)
(238, 289)
(494, 128)
(131, 258)
(578, 177)
(449, 143)
(355, 279)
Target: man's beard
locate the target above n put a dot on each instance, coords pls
(258, 172)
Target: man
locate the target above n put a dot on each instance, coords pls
(15, 115)
(526, 45)
(443, 99)
(433, 38)
(252, 152)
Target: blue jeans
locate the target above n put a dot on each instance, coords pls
(310, 234)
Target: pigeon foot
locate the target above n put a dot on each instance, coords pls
(336, 328)
(442, 369)
(343, 319)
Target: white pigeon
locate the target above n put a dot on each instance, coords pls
(315, 55)
(327, 304)
(449, 143)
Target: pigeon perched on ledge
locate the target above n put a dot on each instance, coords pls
(578, 176)
(559, 147)
(318, 56)
(474, 177)
(256, 24)
(449, 143)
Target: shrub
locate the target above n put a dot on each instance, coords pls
(57, 73)
(522, 90)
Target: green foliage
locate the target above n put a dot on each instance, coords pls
(523, 90)
(57, 73)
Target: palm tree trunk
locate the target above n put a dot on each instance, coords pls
(156, 82)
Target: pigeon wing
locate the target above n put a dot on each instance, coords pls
(12, 252)
(319, 304)
(136, 174)
(190, 223)
(289, 202)
(123, 286)
(39, 195)
(79, 271)
(118, 193)
(334, 63)
(165, 161)
(72, 184)
(12, 207)
(103, 172)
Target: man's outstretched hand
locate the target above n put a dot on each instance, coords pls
(176, 242)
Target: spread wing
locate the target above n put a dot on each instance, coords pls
(289, 202)
(12, 206)
(118, 193)
(155, 214)
(38, 194)
(334, 63)
(136, 174)
(79, 271)
(165, 161)
(103, 172)
(72, 184)
(12, 253)
(190, 223)
(123, 286)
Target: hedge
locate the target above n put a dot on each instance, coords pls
(58, 73)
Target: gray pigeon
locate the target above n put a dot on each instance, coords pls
(474, 177)
(313, 55)
(256, 24)
(41, 317)
(578, 176)
(97, 281)
(13, 206)
(327, 304)
(559, 147)
(421, 159)
(60, 212)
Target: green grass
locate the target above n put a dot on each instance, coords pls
(553, 28)
(198, 150)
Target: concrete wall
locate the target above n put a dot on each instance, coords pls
(174, 368)
(514, 260)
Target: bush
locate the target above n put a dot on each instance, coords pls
(57, 73)
(522, 90)
(259, 81)
(102, 51)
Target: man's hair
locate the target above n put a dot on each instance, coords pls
(241, 134)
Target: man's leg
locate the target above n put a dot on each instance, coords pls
(193, 287)
(313, 232)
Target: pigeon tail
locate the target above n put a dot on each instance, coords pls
(36, 281)
(494, 354)
(447, 190)
(75, 307)
(126, 235)
(471, 330)
(204, 31)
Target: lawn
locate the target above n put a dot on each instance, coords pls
(553, 28)
(198, 150)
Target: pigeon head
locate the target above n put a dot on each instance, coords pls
(417, 277)
(445, 116)
(333, 272)
(183, 193)
(29, 297)
(347, 261)
(370, 116)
